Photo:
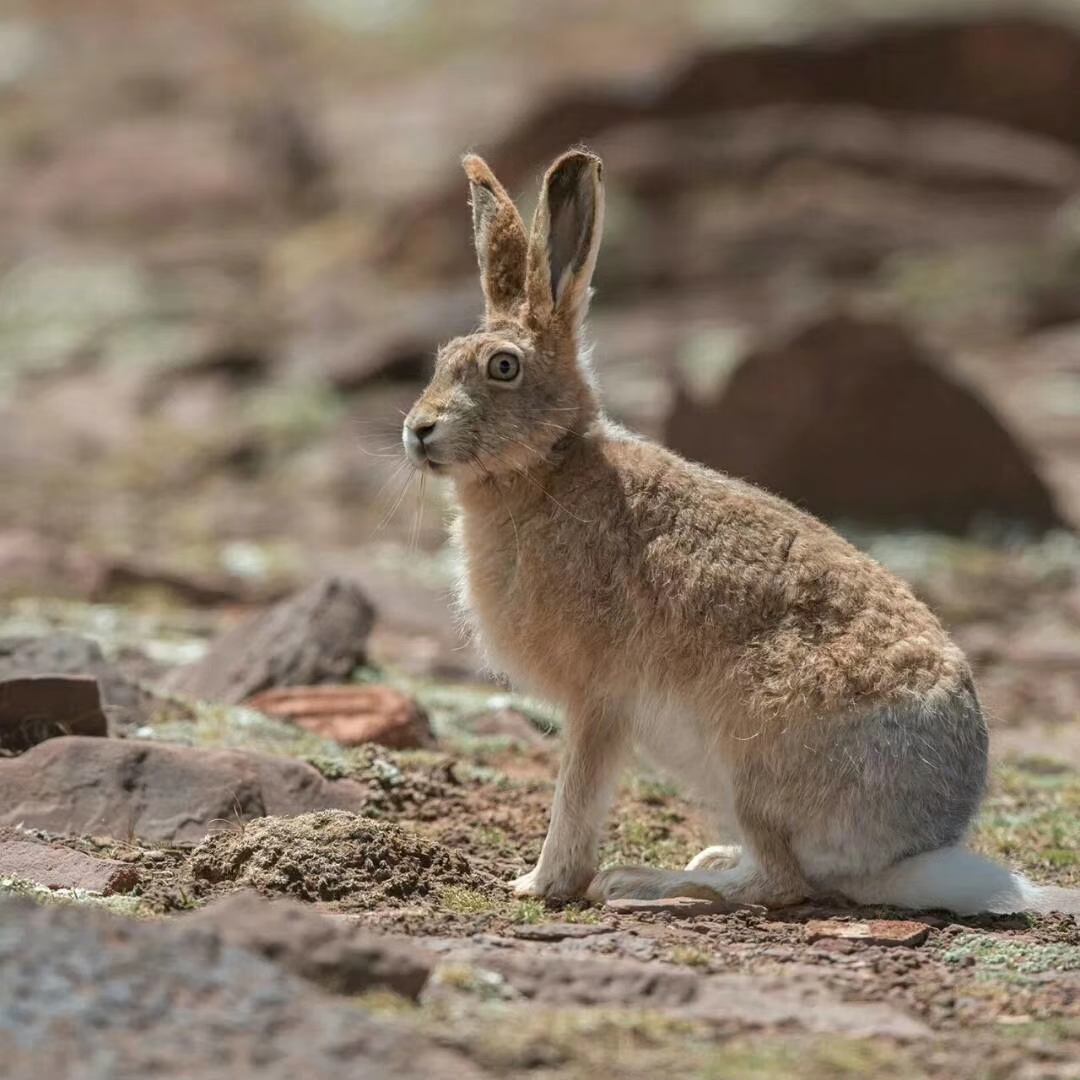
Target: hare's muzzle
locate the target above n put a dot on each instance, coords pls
(418, 436)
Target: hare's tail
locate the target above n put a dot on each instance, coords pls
(958, 880)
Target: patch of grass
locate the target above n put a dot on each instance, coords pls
(529, 911)
(688, 956)
(465, 901)
(1031, 820)
(1011, 959)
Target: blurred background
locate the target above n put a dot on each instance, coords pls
(842, 259)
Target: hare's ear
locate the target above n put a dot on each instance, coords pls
(500, 238)
(566, 236)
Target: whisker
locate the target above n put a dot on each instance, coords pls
(414, 539)
(397, 503)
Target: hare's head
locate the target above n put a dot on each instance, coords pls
(501, 398)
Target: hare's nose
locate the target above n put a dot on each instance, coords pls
(415, 434)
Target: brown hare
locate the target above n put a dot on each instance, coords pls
(791, 683)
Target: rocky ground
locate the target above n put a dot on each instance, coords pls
(259, 802)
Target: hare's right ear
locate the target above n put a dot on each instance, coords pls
(566, 237)
(501, 245)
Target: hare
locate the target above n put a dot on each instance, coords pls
(792, 684)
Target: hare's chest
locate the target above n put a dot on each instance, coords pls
(523, 612)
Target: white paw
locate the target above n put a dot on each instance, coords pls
(567, 885)
(526, 884)
(717, 857)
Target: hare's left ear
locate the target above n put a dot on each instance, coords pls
(566, 237)
(499, 233)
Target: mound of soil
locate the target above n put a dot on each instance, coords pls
(331, 855)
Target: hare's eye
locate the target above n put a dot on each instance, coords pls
(504, 367)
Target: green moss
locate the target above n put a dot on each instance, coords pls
(19, 887)
(1011, 959)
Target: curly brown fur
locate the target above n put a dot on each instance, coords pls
(781, 674)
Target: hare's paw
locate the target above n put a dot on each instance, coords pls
(630, 883)
(717, 857)
(526, 884)
(557, 886)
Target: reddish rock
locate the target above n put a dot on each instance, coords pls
(874, 932)
(123, 788)
(351, 715)
(40, 707)
(853, 419)
(317, 636)
(63, 868)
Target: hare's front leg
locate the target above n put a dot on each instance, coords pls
(593, 749)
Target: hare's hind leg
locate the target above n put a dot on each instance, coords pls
(716, 857)
(766, 872)
(594, 745)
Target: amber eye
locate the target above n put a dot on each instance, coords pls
(504, 367)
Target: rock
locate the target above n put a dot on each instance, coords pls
(122, 788)
(678, 907)
(509, 723)
(63, 868)
(797, 999)
(332, 855)
(979, 68)
(569, 981)
(318, 635)
(559, 931)
(85, 993)
(853, 419)
(32, 564)
(351, 715)
(152, 172)
(874, 932)
(338, 956)
(127, 702)
(39, 707)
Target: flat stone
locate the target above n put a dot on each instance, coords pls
(38, 707)
(680, 907)
(871, 932)
(560, 931)
(63, 868)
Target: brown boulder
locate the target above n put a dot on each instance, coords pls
(40, 707)
(351, 715)
(158, 791)
(127, 702)
(318, 635)
(852, 419)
